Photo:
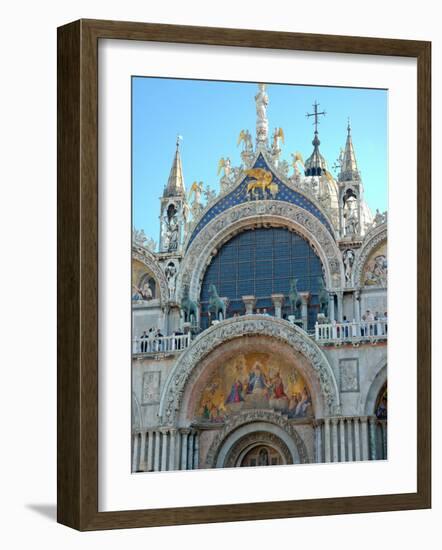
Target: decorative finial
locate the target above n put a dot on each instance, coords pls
(316, 114)
(178, 139)
(348, 126)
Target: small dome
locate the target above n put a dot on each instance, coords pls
(316, 164)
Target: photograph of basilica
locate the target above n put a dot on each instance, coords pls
(260, 317)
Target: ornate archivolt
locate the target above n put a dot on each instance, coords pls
(227, 443)
(148, 259)
(372, 241)
(189, 363)
(254, 214)
(368, 400)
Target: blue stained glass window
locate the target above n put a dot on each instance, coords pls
(262, 262)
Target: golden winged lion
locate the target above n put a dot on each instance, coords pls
(262, 179)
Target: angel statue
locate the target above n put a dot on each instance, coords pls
(209, 194)
(246, 138)
(278, 135)
(196, 190)
(297, 157)
(226, 164)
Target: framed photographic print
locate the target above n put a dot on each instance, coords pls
(244, 275)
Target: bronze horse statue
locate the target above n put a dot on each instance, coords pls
(294, 299)
(217, 306)
(189, 308)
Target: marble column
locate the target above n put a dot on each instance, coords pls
(318, 442)
(384, 440)
(331, 307)
(327, 440)
(350, 439)
(196, 451)
(278, 300)
(143, 452)
(150, 447)
(342, 439)
(190, 443)
(340, 296)
(135, 452)
(164, 445)
(357, 306)
(372, 437)
(335, 453)
(305, 297)
(364, 437)
(156, 463)
(172, 450)
(357, 439)
(249, 302)
(184, 438)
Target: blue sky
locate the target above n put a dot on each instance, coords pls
(210, 114)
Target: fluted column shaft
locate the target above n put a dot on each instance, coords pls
(350, 439)
(150, 447)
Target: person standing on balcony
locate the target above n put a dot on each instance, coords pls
(144, 337)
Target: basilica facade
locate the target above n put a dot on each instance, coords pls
(260, 321)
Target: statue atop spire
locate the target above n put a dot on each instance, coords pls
(262, 123)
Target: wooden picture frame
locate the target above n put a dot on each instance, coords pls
(77, 462)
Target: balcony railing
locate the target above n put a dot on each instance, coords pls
(161, 344)
(363, 331)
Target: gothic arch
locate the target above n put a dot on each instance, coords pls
(251, 422)
(270, 213)
(149, 260)
(190, 363)
(373, 239)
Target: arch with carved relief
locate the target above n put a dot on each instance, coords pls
(179, 393)
(269, 213)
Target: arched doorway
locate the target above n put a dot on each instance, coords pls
(260, 448)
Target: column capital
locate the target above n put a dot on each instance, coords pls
(335, 420)
(305, 296)
(277, 299)
(372, 419)
(185, 431)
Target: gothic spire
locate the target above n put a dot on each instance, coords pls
(349, 166)
(175, 184)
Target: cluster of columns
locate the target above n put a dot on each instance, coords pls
(278, 302)
(350, 438)
(165, 449)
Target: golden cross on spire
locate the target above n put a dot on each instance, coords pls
(316, 114)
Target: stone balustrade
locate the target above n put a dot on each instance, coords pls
(161, 344)
(165, 449)
(354, 332)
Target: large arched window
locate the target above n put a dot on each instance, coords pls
(262, 262)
